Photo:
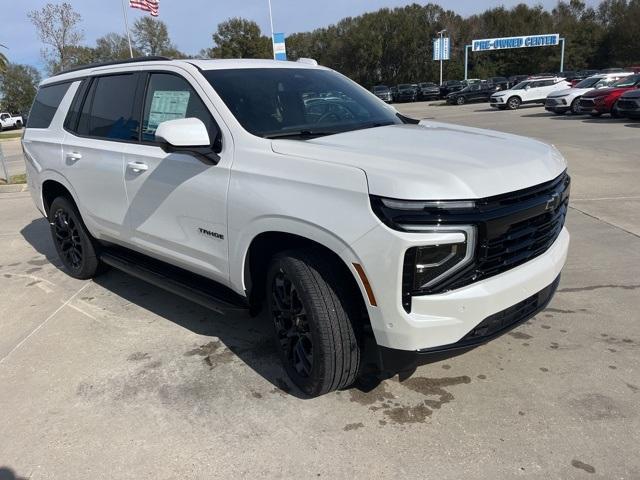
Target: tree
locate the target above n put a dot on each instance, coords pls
(3, 60)
(57, 27)
(113, 46)
(239, 38)
(18, 86)
(151, 37)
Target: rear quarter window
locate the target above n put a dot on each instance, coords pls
(46, 104)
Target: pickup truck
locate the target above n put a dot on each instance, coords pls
(8, 121)
(369, 241)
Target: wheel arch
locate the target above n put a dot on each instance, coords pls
(52, 188)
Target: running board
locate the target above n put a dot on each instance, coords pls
(198, 289)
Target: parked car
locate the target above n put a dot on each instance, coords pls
(498, 83)
(394, 93)
(407, 93)
(383, 93)
(562, 101)
(209, 179)
(604, 100)
(527, 92)
(428, 90)
(449, 86)
(8, 121)
(629, 104)
(473, 93)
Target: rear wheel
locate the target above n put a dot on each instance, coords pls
(73, 242)
(460, 100)
(312, 314)
(513, 103)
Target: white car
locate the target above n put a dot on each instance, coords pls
(562, 101)
(10, 121)
(530, 91)
(373, 241)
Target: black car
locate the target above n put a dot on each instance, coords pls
(394, 94)
(407, 93)
(628, 104)
(516, 79)
(498, 83)
(478, 92)
(427, 90)
(449, 86)
(383, 93)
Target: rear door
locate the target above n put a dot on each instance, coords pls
(176, 203)
(102, 124)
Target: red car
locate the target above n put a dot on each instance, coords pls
(604, 100)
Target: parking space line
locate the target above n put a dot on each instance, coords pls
(35, 330)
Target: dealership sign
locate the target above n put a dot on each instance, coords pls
(279, 48)
(515, 42)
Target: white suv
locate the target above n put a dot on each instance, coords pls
(372, 240)
(530, 91)
(565, 100)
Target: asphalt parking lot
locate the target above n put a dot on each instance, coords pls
(114, 378)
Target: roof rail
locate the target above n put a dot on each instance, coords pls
(112, 62)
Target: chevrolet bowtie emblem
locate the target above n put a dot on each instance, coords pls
(553, 202)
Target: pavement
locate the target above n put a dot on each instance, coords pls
(113, 378)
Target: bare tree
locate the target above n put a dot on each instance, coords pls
(151, 37)
(3, 60)
(57, 26)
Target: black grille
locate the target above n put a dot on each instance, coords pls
(586, 103)
(628, 104)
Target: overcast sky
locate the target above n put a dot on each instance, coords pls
(191, 22)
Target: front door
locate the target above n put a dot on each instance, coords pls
(176, 203)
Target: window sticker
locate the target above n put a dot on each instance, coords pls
(167, 105)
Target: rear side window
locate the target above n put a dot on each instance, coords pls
(46, 104)
(109, 109)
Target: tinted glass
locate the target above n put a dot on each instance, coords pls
(588, 82)
(272, 101)
(170, 97)
(629, 81)
(109, 111)
(380, 89)
(45, 105)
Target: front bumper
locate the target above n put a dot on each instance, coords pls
(443, 319)
(556, 105)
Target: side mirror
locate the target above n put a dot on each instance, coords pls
(188, 135)
(527, 87)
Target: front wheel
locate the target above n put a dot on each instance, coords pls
(513, 103)
(73, 242)
(614, 111)
(313, 316)
(460, 100)
(575, 108)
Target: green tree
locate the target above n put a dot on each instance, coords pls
(58, 28)
(151, 37)
(239, 38)
(18, 86)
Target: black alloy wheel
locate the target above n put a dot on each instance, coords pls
(292, 327)
(67, 238)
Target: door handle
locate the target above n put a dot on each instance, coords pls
(74, 156)
(138, 167)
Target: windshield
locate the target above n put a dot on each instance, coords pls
(280, 102)
(589, 82)
(380, 89)
(629, 81)
(520, 86)
(405, 86)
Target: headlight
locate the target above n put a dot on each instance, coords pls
(426, 265)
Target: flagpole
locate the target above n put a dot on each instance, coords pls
(126, 26)
(271, 22)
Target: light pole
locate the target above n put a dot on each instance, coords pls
(271, 23)
(441, 52)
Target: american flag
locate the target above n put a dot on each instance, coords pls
(151, 6)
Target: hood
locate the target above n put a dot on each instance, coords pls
(435, 161)
(603, 92)
(502, 93)
(568, 91)
(635, 93)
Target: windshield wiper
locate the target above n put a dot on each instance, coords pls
(299, 134)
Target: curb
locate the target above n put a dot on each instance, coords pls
(20, 187)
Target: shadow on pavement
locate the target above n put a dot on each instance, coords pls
(7, 473)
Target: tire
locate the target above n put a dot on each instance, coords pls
(18, 124)
(513, 103)
(614, 111)
(595, 114)
(460, 100)
(575, 108)
(320, 352)
(74, 244)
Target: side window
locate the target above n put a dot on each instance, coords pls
(109, 110)
(46, 104)
(170, 97)
(4, 116)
